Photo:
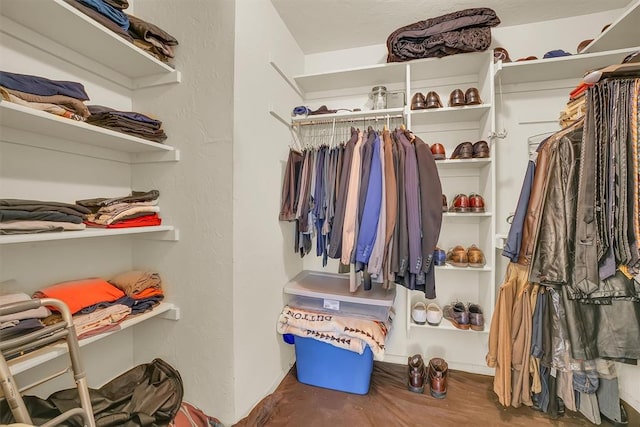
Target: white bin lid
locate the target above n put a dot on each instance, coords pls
(334, 286)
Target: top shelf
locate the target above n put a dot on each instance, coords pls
(623, 33)
(59, 22)
(565, 67)
(395, 72)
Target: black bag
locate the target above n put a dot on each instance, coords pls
(147, 395)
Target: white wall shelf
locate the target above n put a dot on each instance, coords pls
(463, 163)
(445, 325)
(57, 21)
(87, 233)
(349, 115)
(469, 113)
(564, 67)
(70, 135)
(448, 267)
(42, 355)
(622, 33)
(466, 214)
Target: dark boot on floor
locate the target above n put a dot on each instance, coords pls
(437, 373)
(416, 373)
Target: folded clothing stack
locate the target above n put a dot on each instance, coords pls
(147, 36)
(467, 30)
(136, 210)
(20, 216)
(16, 324)
(62, 98)
(129, 122)
(99, 305)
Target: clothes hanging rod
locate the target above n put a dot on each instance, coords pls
(346, 120)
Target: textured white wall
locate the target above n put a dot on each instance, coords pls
(263, 258)
(196, 197)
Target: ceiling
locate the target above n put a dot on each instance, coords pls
(324, 25)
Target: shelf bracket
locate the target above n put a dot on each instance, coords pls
(501, 240)
(157, 80)
(279, 118)
(287, 79)
(156, 157)
(172, 314)
(166, 236)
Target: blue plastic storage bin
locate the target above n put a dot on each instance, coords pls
(324, 365)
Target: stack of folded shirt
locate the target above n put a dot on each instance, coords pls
(99, 306)
(147, 36)
(129, 122)
(16, 324)
(18, 216)
(136, 210)
(62, 98)
(152, 39)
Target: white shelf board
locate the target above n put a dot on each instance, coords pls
(349, 115)
(448, 267)
(445, 325)
(63, 24)
(463, 163)
(564, 67)
(466, 214)
(31, 120)
(81, 234)
(622, 33)
(42, 355)
(469, 113)
(373, 75)
(462, 64)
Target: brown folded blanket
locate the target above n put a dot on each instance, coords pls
(134, 282)
(466, 30)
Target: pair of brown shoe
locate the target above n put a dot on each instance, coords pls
(435, 373)
(471, 97)
(467, 150)
(423, 102)
(458, 256)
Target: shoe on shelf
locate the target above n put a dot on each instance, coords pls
(476, 203)
(457, 314)
(418, 102)
(456, 98)
(464, 150)
(476, 317)
(481, 150)
(416, 373)
(437, 373)
(434, 314)
(472, 96)
(419, 313)
(457, 256)
(433, 100)
(444, 203)
(475, 257)
(438, 152)
(439, 257)
(460, 203)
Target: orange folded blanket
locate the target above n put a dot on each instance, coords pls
(78, 294)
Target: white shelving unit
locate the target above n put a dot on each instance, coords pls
(449, 114)
(445, 325)
(77, 137)
(54, 27)
(42, 355)
(80, 40)
(622, 33)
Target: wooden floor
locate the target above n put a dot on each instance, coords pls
(469, 402)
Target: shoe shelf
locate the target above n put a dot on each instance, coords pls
(59, 28)
(164, 232)
(449, 267)
(77, 137)
(564, 67)
(470, 113)
(445, 325)
(466, 163)
(44, 354)
(622, 33)
(466, 215)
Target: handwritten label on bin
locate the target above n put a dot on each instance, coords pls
(331, 304)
